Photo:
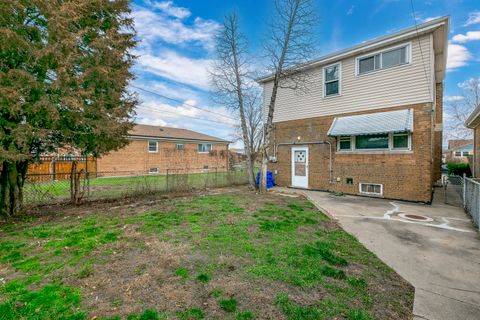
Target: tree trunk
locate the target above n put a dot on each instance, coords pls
(12, 179)
(76, 193)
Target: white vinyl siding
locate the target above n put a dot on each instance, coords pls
(396, 86)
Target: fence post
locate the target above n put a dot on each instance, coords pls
(464, 185)
(167, 180)
(216, 179)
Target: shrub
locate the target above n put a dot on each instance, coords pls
(458, 169)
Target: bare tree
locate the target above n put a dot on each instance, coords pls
(290, 43)
(460, 108)
(253, 118)
(229, 77)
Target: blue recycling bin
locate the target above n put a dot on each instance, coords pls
(270, 179)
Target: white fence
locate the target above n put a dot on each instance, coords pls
(471, 199)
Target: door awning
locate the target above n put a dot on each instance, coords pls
(380, 122)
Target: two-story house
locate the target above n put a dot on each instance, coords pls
(370, 119)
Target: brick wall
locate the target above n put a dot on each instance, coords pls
(438, 138)
(405, 175)
(135, 157)
(476, 152)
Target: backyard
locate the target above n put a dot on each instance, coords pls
(232, 254)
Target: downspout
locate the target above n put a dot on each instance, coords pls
(330, 168)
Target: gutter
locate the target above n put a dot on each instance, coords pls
(472, 117)
(178, 139)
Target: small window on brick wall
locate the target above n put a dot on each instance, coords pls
(152, 146)
(153, 170)
(371, 188)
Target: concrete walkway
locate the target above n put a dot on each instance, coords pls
(439, 256)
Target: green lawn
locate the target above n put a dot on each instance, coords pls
(116, 187)
(229, 256)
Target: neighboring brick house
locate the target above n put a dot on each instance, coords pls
(154, 149)
(369, 121)
(459, 150)
(473, 122)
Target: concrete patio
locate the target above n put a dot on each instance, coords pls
(434, 247)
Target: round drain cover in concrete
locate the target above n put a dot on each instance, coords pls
(415, 217)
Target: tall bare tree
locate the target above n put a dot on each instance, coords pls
(290, 43)
(460, 107)
(229, 77)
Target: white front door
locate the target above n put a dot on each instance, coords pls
(300, 167)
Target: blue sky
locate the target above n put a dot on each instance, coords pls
(176, 47)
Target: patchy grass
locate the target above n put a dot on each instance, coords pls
(228, 256)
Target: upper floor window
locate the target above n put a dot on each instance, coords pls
(152, 146)
(385, 59)
(204, 147)
(331, 76)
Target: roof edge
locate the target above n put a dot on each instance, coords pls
(176, 139)
(472, 118)
(422, 28)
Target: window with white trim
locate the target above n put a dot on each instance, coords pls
(153, 170)
(204, 147)
(152, 146)
(466, 153)
(458, 153)
(345, 143)
(180, 146)
(383, 60)
(397, 141)
(331, 83)
(371, 188)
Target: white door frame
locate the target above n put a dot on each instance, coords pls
(299, 181)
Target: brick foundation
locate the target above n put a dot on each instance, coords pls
(406, 175)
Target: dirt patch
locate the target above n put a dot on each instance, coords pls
(191, 251)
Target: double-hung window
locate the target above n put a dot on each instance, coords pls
(331, 83)
(152, 146)
(383, 60)
(180, 146)
(204, 147)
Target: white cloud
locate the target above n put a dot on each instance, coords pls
(423, 20)
(458, 56)
(170, 9)
(452, 98)
(151, 111)
(178, 68)
(473, 18)
(153, 27)
(470, 36)
(350, 11)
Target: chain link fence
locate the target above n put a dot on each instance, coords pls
(453, 190)
(44, 189)
(471, 196)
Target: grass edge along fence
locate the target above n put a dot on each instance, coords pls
(118, 184)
